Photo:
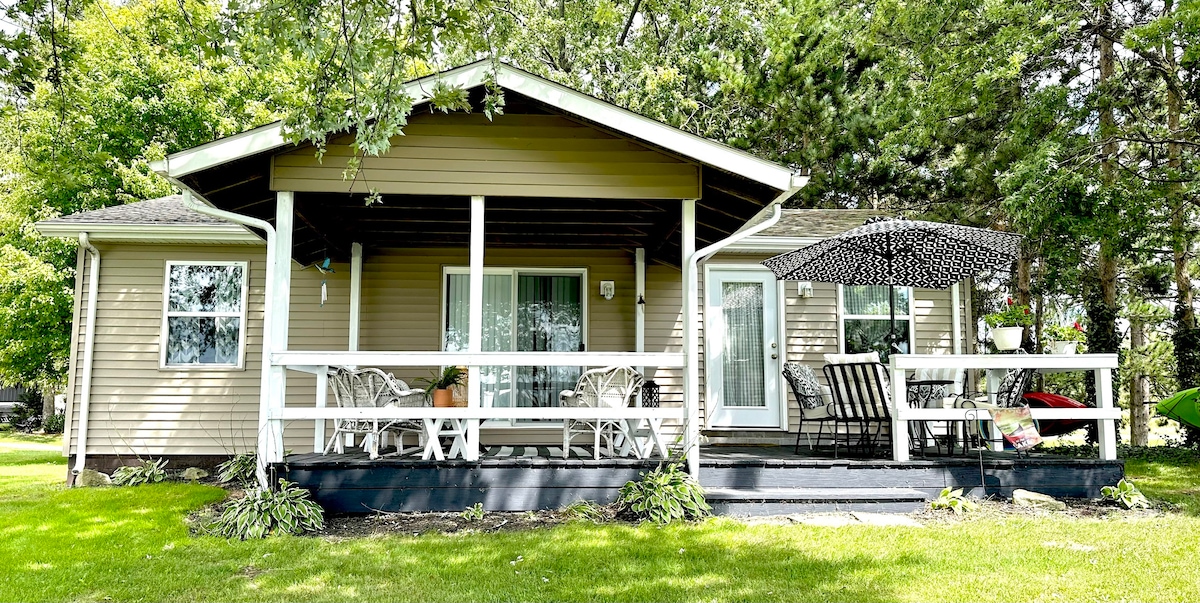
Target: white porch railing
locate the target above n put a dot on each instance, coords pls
(474, 414)
(1105, 413)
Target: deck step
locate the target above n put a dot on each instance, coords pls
(779, 501)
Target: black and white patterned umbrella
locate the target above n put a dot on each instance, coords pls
(900, 253)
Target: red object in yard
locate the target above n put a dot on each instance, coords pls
(1055, 427)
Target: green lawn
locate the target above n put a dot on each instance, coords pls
(130, 544)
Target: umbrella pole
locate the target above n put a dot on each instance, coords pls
(892, 318)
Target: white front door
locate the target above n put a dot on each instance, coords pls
(741, 349)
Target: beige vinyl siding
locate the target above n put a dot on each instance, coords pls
(811, 328)
(510, 155)
(138, 408)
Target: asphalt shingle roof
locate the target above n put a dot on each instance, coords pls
(164, 210)
(819, 223)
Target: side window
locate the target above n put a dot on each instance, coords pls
(204, 318)
(865, 311)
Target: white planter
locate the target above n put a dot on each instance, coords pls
(1063, 347)
(1007, 339)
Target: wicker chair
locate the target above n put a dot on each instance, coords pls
(861, 395)
(609, 387)
(807, 390)
(372, 388)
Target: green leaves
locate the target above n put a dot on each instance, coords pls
(953, 499)
(1126, 494)
(263, 512)
(147, 471)
(664, 495)
(241, 469)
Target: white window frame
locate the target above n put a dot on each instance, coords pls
(166, 313)
(842, 317)
(514, 271)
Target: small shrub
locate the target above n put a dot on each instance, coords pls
(241, 469)
(26, 414)
(473, 513)
(953, 499)
(664, 495)
(54, 423)
(264, 512)
(1126, 494)
(586, 510)
(147, 471)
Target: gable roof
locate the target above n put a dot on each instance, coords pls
(270, 137)
(800, 227)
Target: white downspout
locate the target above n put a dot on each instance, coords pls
(89, 346)
(190, 201)
(692, 337)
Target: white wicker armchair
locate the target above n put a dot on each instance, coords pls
(609, 387)
(369, 388)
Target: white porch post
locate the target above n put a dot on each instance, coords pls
(639, 301)
(691, 336)
(1107, 431)
(899, 403)
(270, 435)
(956, 334)
(356, 264)
(475, 324)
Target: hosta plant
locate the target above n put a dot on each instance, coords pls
(664, 495)
(147, 471)
(240, 469)
(953, 499)
(1126, 494)
(264, 512)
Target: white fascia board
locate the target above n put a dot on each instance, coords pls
(772, 244)
(685, 144)
(183, 233)
(627, 122)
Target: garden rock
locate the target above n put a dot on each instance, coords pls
(89, 478)
(1037, 500)
(193, 474)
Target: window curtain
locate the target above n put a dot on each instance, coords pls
(496, 381)
(742, 310)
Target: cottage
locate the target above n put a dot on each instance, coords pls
(564, 234)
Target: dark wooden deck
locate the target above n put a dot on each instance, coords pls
(739, 480)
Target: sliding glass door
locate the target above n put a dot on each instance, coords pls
(525, 310)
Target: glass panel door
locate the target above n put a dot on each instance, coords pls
(549, 316)
(742, 355)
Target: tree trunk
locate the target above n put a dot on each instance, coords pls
(47, 403)
(1024, 273)
(1139, 388)
(1104, 324)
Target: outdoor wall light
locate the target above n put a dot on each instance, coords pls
(608, 289)
(804, 289)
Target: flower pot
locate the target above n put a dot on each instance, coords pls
(1063, 347)
(443, 398)
(1007, 339)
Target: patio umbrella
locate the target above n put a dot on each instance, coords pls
(896, 252)
(1182, 407)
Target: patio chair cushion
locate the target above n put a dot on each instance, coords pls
(824, 411)
(851, 358)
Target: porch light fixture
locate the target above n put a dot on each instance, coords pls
(804, 289)
(608, 289)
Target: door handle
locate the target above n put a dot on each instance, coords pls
(774, 356)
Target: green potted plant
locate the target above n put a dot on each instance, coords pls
(439, 384)
(1008, 325)
(1064, 339)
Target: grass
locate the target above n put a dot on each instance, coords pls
(131, 544)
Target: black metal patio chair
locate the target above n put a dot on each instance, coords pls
(807, 391)
(861, 399)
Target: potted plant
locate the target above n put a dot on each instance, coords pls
(439, 384)
(1063, 339)
(1008, 325)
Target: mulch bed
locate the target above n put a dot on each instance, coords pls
(416, 524)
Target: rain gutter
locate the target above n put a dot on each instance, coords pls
(89, 348)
